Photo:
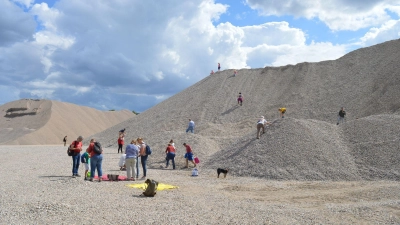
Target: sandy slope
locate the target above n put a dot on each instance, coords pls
(307, 144)
(47, 122)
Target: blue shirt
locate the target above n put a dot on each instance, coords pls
(191, 123)
(132, 151)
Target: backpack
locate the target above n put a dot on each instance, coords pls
(97, 148)
(83, 158)
(148, 150)
(71, 152)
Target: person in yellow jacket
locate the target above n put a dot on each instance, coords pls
(282, 112)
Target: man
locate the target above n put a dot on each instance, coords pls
(341, 115)
(191, 126)
(65, 140)
(261, 126)
(76, 147)
(189, 156)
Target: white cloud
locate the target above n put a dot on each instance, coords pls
(388, 31)
(336, 14)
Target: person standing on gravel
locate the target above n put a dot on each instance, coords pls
(65, 140)
(341, 116)
(219, 67)
(189, 156)
(143, 156)
(170, 152)
(96, 161)
(132, 152)
(261, 126)
(76, 147)
(190, 126)
(240, 99)
(120, 142)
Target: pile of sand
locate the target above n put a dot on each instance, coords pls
(39, 121)
(307, 144)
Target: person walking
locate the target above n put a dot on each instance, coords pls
(341, 116)
(96, 161)
(170, 151)
(132, 152)
(76, 147)
(190, 126)
(65, 140)
(219, 67)
(261, 126)
(240, 99)
(234, 73)
(120, 142)
(143, 156)
(189, 156)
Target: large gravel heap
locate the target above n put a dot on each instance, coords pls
(305, 145)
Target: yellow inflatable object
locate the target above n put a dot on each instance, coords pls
(160, 187)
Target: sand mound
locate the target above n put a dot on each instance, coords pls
(305, 145)
(34, 121)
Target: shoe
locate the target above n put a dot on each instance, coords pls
(143, 178)
(264, 132)
(258, 138)
(337, 124)
(100, 179)
(85, 178)
(77, 175)
(283, 117)
(91, 179)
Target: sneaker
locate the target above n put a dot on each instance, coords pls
(77, 175)
(85, 178)
(91, 179)
(143, 178)
(100, 179)
(337, 124)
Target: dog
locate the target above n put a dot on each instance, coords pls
(224, 171)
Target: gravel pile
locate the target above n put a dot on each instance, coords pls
(307, 144)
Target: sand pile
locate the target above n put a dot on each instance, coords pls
(307, 144)
(38, 121)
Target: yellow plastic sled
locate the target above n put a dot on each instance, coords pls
(160, 187)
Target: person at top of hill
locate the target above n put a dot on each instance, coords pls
(219, 67)
(234, 73)
(212, 72)
(190, 126)
(341, 116)
(240, 99)
(261, 126)
(121, 142)
(282, 112)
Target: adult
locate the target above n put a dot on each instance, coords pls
(120, 142)
(65, 140)
(261, 126)
(143, 156)
(190, 126)
(76, 147)
(132, 152)
(189, 156)
(219, 66)
(240, 99)
(282, 112)
(341, 116)
(170, 151)
(96, 161)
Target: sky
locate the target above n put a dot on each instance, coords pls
(133, 54)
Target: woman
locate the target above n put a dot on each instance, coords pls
(95, 161)
(132, 153)
(170, 151)
(143, 156)
(120, 142)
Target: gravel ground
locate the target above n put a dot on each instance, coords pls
(38, 189)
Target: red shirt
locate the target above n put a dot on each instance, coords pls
(77, 145)
(188, 149)
(170, 149)
(91, 149)
(121, 141)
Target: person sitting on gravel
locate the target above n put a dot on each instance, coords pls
(189, 156)
(261, 126)
(341, 116)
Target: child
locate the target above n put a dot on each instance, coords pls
(282, 112)
(234, 73)
(85, 160)
(121, 163)
(240, 99)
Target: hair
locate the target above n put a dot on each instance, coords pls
(139, 139)
(92, 140)
(80, 137)
(133, 141)
(169, 144)
(184, 143)
(171, 141)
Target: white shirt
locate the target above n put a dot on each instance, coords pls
(262, 121)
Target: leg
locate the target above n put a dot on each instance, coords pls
(99, 169)
(173, 161)
(93, 162)
(144, 160)
(258, 130)
(137, 167)
(133, 168)
(129, 164)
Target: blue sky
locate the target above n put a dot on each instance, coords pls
(134, 54)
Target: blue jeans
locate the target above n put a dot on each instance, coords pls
(137, 167)
(143, 159)
(190, 129)
(95, 162)
(171, 156)
(76, 159)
